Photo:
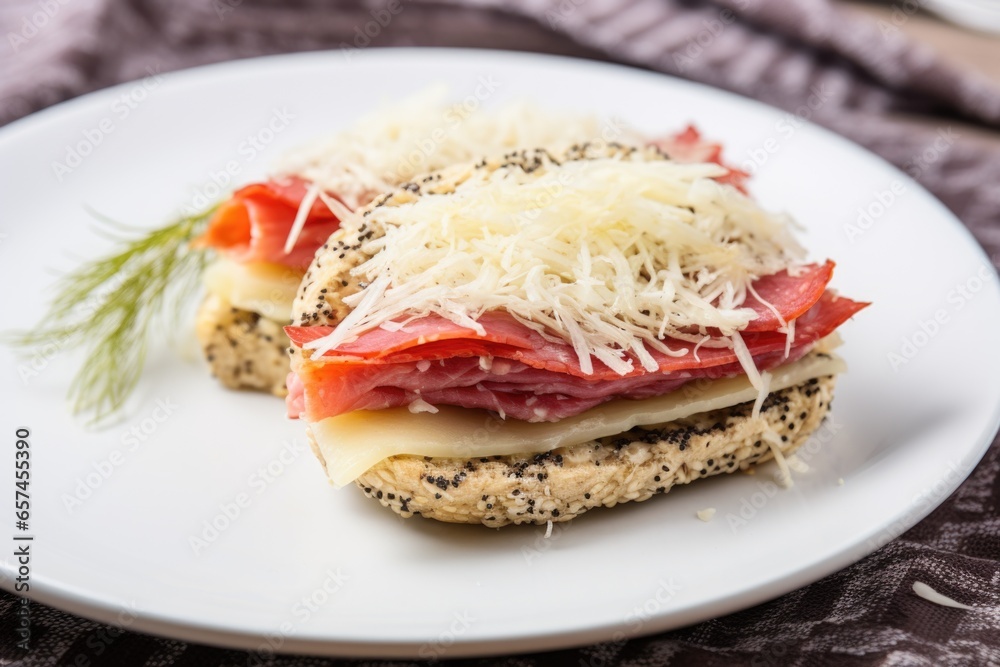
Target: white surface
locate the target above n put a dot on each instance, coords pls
(902, 439)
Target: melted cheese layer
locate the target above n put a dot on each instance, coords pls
(266, 289)
(353, 442)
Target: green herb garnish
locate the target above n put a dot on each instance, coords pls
(111, 307)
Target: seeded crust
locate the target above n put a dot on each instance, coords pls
(243, 349)
(564, 483)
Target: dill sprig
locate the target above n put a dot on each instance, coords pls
(113, 306)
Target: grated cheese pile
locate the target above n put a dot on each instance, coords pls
(612, 255)
(425, 133)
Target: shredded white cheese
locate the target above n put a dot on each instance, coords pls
(426, 132)
(420, 134)
(763, 389)
(548, 529)
(787, 328)
(612, 256)
(773, 441)
(789, 331)
(797, 464)
(931, 595)
(312, 192)
(420, 405)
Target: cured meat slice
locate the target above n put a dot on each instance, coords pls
(689, 146)
(434, 337)
(254, 224)
(541, 383)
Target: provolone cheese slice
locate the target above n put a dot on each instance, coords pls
(352, 443)
(266, 289)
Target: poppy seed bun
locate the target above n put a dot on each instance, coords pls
(243, 349)
(563, 483)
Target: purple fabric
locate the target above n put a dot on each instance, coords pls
(858, 77)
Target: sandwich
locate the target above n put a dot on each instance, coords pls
(526, 337)
(251, 250)
(266, 234)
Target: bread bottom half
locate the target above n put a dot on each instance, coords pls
(244, 349)
(564, 483)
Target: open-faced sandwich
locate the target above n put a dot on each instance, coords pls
(526, 337)
(267, 233)
(252, 249)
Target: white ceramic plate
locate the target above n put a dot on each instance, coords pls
(300, 567)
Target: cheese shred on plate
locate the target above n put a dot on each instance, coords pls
(610, 255)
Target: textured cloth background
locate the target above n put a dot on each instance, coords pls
(778, 51)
